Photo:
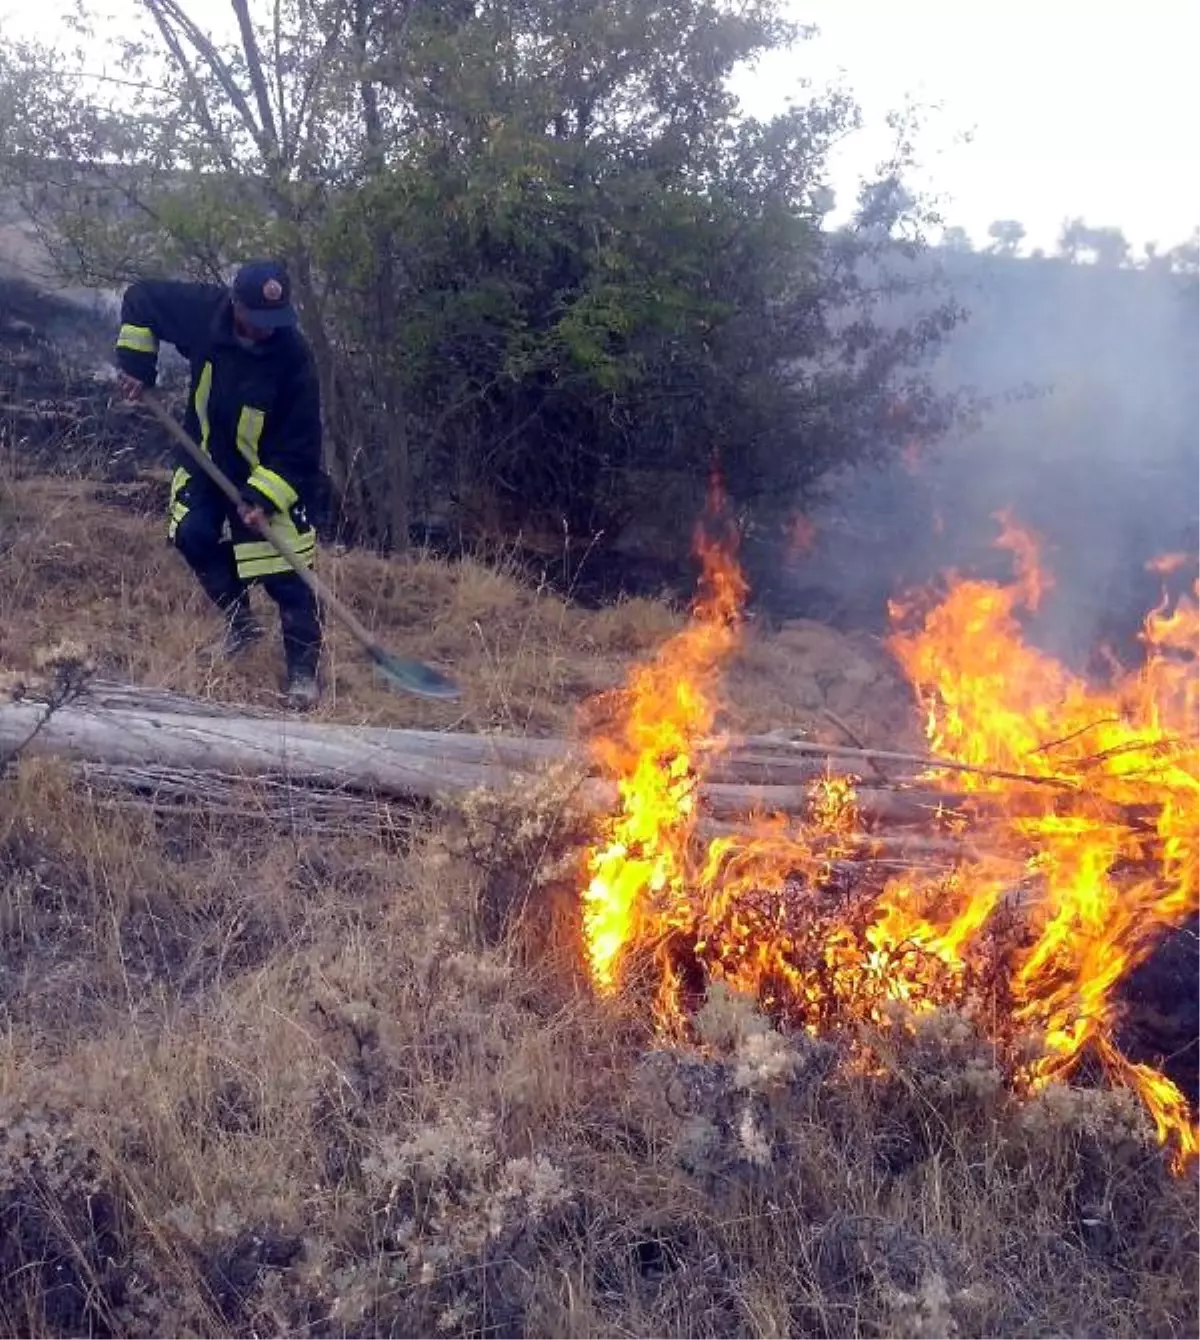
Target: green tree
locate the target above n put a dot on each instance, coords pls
(551, 272)
(1078, 241)
(1007, 236)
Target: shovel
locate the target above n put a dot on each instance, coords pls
(407, 675)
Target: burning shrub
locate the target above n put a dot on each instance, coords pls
(1081, 809)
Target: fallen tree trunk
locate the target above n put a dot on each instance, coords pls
(415, 763)
(133, 733)
(154, 741)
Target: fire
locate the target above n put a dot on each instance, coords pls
(640, 875)
(1088, 840)
(1111, 851)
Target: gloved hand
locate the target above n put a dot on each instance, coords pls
(131, 387)
(255, 511)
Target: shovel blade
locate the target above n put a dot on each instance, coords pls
(415, 676)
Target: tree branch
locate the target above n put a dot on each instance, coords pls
(203, 111)
(254, 68)
(280, 90)
(167, 12)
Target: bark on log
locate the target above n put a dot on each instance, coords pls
(114, 727)
(417, 764)
(358, 758)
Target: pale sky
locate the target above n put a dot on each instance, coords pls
(1086, 107)
(1039, 111)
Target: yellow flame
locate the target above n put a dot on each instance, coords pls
(1099, 859)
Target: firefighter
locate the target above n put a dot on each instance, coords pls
(254, 406)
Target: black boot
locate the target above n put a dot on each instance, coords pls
(303, 683)
(303, 690)
(300, 624)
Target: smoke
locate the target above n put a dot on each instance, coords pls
(1091, 441)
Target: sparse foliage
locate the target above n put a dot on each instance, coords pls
(956, 238)
(1104, 246)
(1007, 236)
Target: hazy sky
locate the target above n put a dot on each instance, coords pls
(1082, 107)
(1043, 110)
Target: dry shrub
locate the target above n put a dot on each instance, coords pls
(60, 1230)
(926, 1200)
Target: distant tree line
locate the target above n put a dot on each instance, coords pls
(1078, 241)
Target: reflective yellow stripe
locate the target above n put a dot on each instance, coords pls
(248, 569)
(249, 434)
(265, 561)
(177, 509)
(203, 387)
(260, 558)
(274, 487)
(141, 339)
(256, 549)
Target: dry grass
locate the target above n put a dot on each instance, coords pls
(254, 1084)
(81, 566)
(99, 575)
(257, 1082)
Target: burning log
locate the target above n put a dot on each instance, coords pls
(124, 733)
(909, 762)
(874, 804)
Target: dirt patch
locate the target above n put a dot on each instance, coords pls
(843, 687)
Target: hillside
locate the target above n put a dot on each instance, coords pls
(260, 1079)
(92, 567)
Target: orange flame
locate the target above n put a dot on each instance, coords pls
(639, 875)
(1097, 847)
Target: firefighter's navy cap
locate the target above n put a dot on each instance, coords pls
(263, 289)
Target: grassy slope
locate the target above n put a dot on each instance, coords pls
(270, 1081)
(100, 574)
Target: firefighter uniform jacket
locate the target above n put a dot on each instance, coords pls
(255, 409)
